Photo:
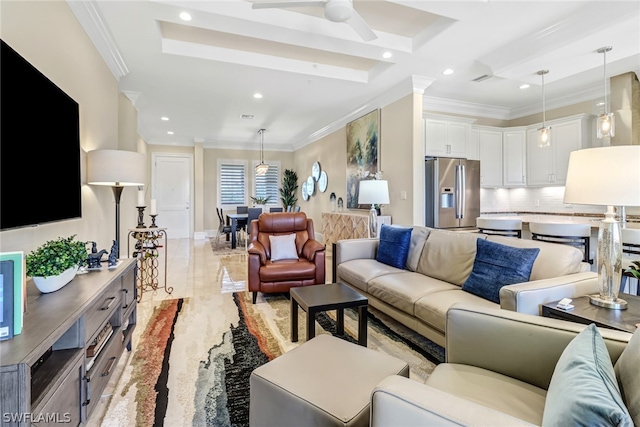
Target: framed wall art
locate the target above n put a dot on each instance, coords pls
(363, 159)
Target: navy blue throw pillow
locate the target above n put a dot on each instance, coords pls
(498, 265)
(394, 245)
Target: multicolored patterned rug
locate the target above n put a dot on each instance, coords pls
(192, 364)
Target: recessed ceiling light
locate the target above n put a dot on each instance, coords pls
(247, 116)
(164, 119)
(387, 55)
(185, 16)
(257, 95)
(447, 72)
(524, 86)
(170, 132)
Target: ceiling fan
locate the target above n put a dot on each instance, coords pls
(334, 11)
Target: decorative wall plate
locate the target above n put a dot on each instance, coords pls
(311, 186)
(315, 171)
(305, 194)
(322, 182)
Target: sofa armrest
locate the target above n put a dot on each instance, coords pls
(528, 297)
(310, 248)
(349, 249)
(518, 345)
(256, 248)
(399, 401)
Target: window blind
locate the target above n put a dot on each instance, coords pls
(232, 184)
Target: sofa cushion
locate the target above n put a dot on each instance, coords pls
(432, 308)
(283, 247)
(448, 255)
(583, 388)
(394, 245)
(402, 290)
(626, 370)
(491, 389)
(497, 265)
(418, 237)
(554, 260)
(358, 272)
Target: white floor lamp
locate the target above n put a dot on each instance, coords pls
(606, 176)
(117, 169)
(373, 192)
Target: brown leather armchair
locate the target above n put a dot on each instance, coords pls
(279, 276)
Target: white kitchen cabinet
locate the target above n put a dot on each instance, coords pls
(473, 145)
(514, 158)
(548, 166)
(490, 146)
(446, 137)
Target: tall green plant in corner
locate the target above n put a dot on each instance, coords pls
(289, 188)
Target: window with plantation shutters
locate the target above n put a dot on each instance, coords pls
(268, 184)
(232, 183)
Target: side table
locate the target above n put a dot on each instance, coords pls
(587, 313)
(146, 252)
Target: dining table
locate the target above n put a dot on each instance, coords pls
(232, 219)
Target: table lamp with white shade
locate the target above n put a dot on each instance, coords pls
(117, 169)
(606, 176)
(373, 192)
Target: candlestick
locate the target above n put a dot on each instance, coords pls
(140, 197)
(140, 217)
(153, 221)
(153, 210)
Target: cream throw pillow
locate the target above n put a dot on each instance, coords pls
(283, 247)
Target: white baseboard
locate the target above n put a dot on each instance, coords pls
(199, 235)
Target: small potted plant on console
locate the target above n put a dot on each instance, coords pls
(55, 263)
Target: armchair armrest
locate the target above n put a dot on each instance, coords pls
(528, 297)
(349, 249)
(399, 401)
(518, 345)
(256, 248)
(310, 248)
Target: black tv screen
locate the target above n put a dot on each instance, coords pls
(39, 147)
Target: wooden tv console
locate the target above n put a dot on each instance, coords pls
(46, 375)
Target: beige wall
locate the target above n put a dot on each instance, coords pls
(587, 107)
(400, 133)
(48, 35)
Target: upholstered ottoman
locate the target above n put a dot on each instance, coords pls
(326, 381)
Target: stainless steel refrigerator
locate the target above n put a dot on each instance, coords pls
(452, 192)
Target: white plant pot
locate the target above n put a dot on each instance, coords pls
(53, 283)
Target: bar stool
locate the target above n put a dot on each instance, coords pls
(630, 253)
(578, 235)
(511, 227)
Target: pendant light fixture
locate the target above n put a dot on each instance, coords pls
(262, 168)
(606, 121)
(544, 139)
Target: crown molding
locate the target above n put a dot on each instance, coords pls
(587, 94)
(91, 20)
(442, 105)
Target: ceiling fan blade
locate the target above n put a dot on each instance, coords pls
(283, 4)
(361, 27)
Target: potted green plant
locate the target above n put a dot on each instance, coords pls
(260, 200)
(55, 263)
(288, 189)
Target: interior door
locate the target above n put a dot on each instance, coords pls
(172, 184)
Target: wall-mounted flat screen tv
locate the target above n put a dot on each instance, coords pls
(39, 147)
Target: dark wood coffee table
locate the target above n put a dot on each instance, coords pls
(587, 313)
(334, 296)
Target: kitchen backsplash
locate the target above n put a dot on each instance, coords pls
(544, 200)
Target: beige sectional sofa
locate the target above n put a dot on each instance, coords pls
(438, 264)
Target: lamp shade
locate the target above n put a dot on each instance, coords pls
(116, 168)
(374, 192)
(608, 176)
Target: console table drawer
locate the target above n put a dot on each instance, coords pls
(98, 314)
(100, 373)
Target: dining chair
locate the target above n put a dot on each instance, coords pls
(254, 213)
(222, 227)
(276, 210)
(242, 223)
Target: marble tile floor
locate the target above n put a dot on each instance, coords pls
(193, 270)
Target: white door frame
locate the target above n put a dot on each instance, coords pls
(154, 157)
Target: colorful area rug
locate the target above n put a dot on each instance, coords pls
(192, 363)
